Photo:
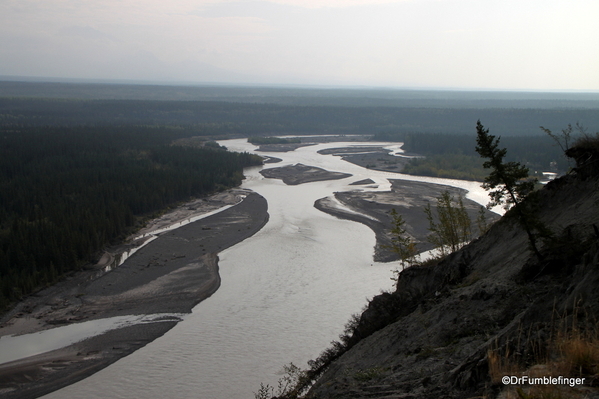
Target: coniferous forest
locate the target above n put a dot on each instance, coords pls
(67, 192)
(454, 156)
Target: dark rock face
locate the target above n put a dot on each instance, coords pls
(432, 337)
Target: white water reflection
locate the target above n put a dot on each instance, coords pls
(22, 346)
(286, 293)
(336, 204)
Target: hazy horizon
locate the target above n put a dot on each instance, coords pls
(299, 86)
(464, 45)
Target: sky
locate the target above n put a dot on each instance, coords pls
(548, 45)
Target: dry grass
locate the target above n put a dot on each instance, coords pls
(500, 365)
(572, 352)
(578, 354)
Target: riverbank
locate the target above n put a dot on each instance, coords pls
(493, 309)
(371, 157)
(172, 274)
(408, 198)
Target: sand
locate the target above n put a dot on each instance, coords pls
(299, 174)
(408, 198)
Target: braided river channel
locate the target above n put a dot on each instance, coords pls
(286, 293)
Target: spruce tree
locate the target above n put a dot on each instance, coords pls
(401, 242)
(509, 184)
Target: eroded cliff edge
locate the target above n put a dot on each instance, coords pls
(434, 336)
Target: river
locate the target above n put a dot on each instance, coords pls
(286, 293)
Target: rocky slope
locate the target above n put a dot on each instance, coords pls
(443, 329)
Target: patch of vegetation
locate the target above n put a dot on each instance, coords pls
(451, 229)
(213, 145)
(454, 156)
(450, 166)
(296, 381)
(572, 352)
(425, 353)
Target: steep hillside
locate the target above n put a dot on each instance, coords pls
(492, 309)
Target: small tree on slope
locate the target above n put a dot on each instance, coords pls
(509, 184)
(453, 229)
(401, 242)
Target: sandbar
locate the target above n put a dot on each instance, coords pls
(171, 274)
(408, 198)
(300, 174)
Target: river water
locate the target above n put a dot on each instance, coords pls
(286, 293)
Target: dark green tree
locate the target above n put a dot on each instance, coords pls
(508, 184)
(481, 221)
(508, 181)
(401, 242)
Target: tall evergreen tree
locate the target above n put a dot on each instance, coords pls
(509, 184)
(401, 242)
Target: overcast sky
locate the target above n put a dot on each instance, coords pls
(471, 44)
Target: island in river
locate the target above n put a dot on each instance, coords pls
(299, 174)
(408, 198)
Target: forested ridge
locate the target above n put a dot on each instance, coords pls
(67, 192)
(348, 97)
(263, 119)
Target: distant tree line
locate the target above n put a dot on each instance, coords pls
(454, 155)
(261, 119)
(67, 192)
(359, 97)
(450, 166)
